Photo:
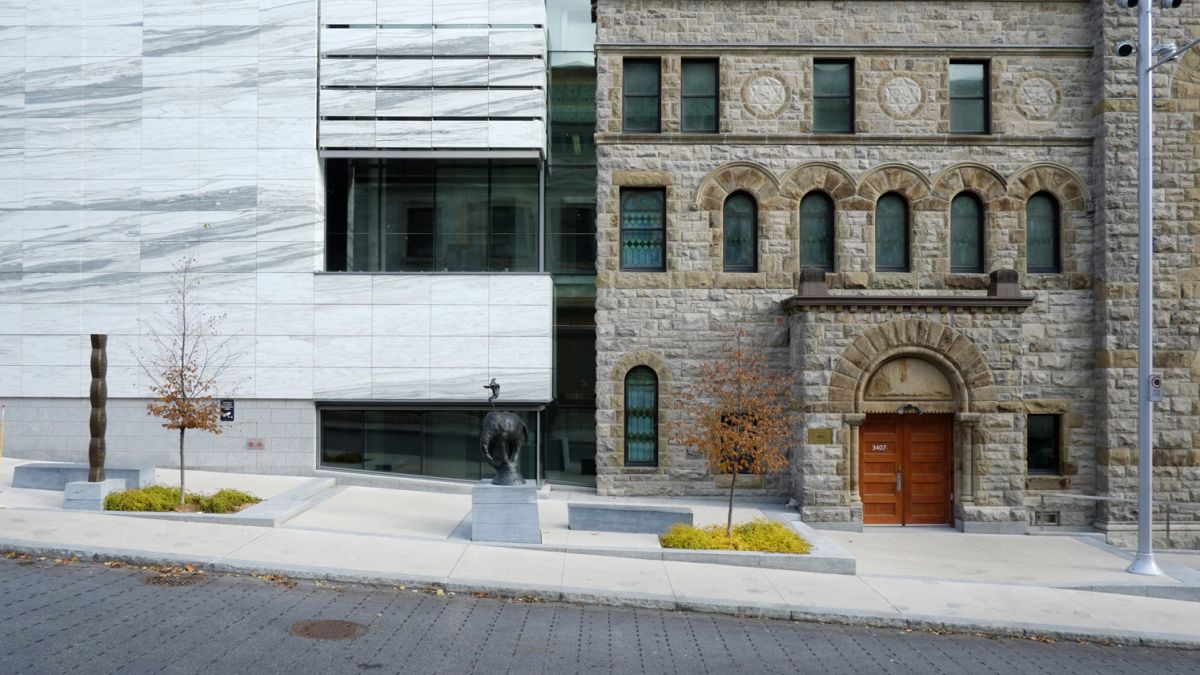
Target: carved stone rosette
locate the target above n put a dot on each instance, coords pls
(98, 422)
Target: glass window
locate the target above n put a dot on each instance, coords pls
(968, 98)
(641, 95)
(400, 215)
(1043, 444)
(966, 234)
(570, 422)
(891, 233)
(816, 231)
(741, 233)
(701, 97)
(643, 229)
(641, 417)
(833, 97)
(1042, 233)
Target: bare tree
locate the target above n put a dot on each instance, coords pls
(733, 413)
(185, 360)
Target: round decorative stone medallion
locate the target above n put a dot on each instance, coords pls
(901, 97)
(1038, 96)
(765, 95)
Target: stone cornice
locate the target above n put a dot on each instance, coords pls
(615, 138)
(800, 303)
(980, 51)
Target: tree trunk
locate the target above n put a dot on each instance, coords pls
(181, 432)
(729, 519)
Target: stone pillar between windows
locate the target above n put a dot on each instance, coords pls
(964, 427)
(853, 497)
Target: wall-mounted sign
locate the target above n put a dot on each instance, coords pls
(226, 409)
(820, 436)
(879, 447)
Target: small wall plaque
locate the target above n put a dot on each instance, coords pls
(820, 436)
(256, 444)
(226, 410)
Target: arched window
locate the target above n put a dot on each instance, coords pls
(816, 231)
(891, 233)
(966, 234)
(741, 233)
(1042, 234)
(641, 417)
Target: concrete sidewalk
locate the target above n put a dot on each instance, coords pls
(909, 591)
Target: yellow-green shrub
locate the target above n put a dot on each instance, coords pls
(227, 500)
(162, 498)
(766, 536)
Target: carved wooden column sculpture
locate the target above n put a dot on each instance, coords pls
(98, 422)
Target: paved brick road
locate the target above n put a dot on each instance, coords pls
(89, 618)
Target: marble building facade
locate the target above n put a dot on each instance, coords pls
(993, 354)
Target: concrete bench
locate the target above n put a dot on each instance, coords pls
(56, 476)
(626, 517)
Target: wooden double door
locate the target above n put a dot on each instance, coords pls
(905, 475)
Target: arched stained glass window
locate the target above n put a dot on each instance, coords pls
(891, 233)
(641, 417)
(1042, 234)
(741, 233)
(966, 234)
(816, 231)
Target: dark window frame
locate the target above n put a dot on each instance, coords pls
(657, 403)
(1058, 446)
(1057, 268)
(622, 230)
(981, 233)
(626, 96)
(907, 234)
(986, 97)
(852, 98)
(831, 246)
(753, 266)
(715, 96)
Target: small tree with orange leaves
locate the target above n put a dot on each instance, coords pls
(186, 359)
(734, 414)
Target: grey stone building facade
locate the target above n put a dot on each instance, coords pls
(966, 171)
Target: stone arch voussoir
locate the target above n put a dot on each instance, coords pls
(823, 176)
(981, 180)
(749, 177)
(1067, 186)
(899, 178)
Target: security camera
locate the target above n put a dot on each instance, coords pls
(1124, 47)
(1128, 4)
(1171, 4)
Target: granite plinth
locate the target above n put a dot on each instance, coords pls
(85, 496)
(626, 518)
(48, 476)
(505, 513)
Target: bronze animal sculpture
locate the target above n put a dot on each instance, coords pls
(501, 439)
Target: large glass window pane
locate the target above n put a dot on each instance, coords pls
(700, 96)
(643, 230)
(891, 234)
(392, 441)
(741, 233)
(641, 417)
(641, 100)
(968, 98)
(513, 242)
(1042, 233)
(699, 114)
(571, 219)
(569, 25)
(570, 422)
(342, 439)
(1043, 444)
(816, 231)
(833, 97)
(572, 115)
(966, 234)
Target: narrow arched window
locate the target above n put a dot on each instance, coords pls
(891, 233)
(966, 234)
(741, 233)
(816, 231)
(1042, 234)
(641, 417)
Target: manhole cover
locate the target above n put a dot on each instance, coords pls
(329, 629)
(173, 580)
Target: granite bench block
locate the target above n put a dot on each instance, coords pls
(626, 517)
(56, 476)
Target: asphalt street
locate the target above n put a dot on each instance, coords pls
(75, 617)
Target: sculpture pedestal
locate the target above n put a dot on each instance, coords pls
(85, 496)
(505, 513)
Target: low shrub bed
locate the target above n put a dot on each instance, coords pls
(162, 498)
(764, 536)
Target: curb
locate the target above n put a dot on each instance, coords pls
(619, 599)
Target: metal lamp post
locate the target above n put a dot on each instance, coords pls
(1143, 562)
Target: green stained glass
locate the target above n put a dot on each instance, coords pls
(741, 240)
(833, 97)
(891, 234)
(1042, 233)
(966, 234)
(641, 417)
(816, 231)
(643, 230)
